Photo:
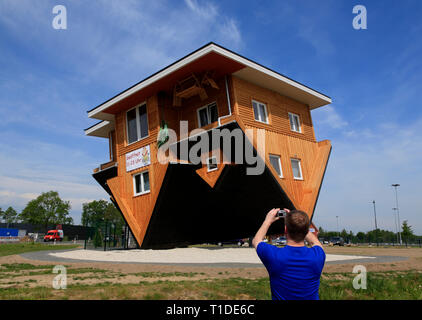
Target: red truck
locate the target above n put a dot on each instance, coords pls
(54, 235)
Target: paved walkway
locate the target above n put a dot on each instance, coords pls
(222, 257)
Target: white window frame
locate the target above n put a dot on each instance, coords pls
(279, 163)
(300, 168)
(138, 127)
(208, 164)
(208, 113)
(298, 121)
(142, 183)
(111, 145)
(265, 109)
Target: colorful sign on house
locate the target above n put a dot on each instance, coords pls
(138, 158)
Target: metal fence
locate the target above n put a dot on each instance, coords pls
(110, 236)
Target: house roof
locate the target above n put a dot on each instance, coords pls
(100, 129)
(221, 60)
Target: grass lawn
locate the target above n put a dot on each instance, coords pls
(24, 281)
(7, 249)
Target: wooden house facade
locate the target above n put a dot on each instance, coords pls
(180, 202)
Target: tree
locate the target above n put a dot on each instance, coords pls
(96, 212)
(98, 239)
(344, 234)
(360, 236)
(93, 212)
(9, 216)
(351, 236)
(407, 232)
(106, 220)
(47, 209)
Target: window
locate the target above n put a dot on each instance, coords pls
(294, 122)
(260, 111)
(137, 123)
(212, 164)
(276, 163)
(111, 146)
(207, 114)
(141, 183)
(297, 170)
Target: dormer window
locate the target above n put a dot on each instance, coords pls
(294, 122)
(212, 164)
(141, 183)
(276, 163)
(296, 169)
(137, 123)
(207, 114)
(260, 111)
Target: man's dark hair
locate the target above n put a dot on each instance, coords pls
(297, 224)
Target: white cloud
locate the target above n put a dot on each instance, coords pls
(362, 168)
(119, 42)
(208, 11)
(108, 44)
(231, 32)
(329, 117)
(30, 167)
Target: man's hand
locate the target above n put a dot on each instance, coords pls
(271, 216)
(312, 239)
(269, 219)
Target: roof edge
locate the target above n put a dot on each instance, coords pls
(211, 46)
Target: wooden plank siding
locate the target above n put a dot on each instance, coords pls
(278, 107)
(313, 184)
(281, 141)
(138, 209)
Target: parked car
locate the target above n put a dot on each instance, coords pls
(339, 241)
(239, 242)
(280, 241)
(324, 240)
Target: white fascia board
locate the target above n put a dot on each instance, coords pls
(101, 129)
(253, 65)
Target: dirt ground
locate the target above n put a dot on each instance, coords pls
(134, 273)
(414, 261)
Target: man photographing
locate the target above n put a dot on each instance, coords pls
(294, 270)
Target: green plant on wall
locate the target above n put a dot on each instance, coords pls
(163, 134)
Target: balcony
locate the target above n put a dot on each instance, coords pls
(105, 166)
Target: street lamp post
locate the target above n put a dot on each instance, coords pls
(398, 212)
(376, 227)
(395, 224)
(338, 231)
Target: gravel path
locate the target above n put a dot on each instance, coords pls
(228, 257)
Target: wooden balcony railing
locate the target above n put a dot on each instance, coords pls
(105, 166)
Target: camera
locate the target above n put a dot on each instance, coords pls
(279, 225)
(281, 214)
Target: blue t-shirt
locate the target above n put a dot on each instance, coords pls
(294, 271)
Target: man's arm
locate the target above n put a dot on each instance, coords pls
(269, 219)
(312, 239)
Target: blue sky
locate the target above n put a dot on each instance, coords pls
(49, 79)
